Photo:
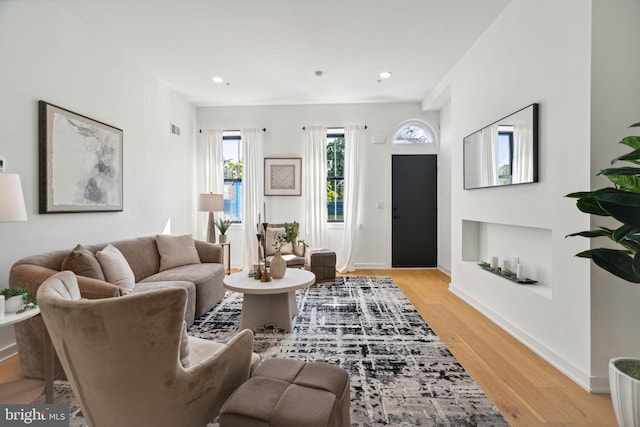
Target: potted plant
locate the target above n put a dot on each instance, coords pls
(289, 236)
(223, 225)
(18, 300)
(622, 203)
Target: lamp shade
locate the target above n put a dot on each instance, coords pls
(210, 202)
(12, 207)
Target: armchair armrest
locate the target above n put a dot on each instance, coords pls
(299, 250)
(209, 252)
(210, 381)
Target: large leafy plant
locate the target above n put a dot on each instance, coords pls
(621, 202)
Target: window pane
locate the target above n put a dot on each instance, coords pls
(505, 157)
(232, 152)
(335, 176)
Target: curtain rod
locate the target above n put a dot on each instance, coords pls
(233, 130)
(365, 127)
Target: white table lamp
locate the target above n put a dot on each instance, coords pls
(211, 203)
(12, 207)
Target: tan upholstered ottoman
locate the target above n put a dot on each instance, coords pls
(290, 393)
(322, 263)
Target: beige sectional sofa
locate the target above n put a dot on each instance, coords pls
(154, 261)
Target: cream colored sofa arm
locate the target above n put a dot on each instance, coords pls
(209, 252)
(210, 381)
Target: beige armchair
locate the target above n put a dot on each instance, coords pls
(129, 360)
(293, 254)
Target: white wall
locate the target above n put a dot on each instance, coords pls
(614, 106)
(530, 54)
(48, 55)
(284, 138)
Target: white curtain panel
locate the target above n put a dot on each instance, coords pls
(522, 153)
(212, 177)
(489, 150)
(353, 143)
(314, 170)
(252, 190)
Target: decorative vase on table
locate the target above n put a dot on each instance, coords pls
(278, 266)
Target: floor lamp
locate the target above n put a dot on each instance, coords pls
(209, 202)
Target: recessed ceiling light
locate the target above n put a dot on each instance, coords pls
(385, 75)
(319, 73)
(217, 79)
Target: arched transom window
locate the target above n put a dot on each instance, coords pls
(415, 132)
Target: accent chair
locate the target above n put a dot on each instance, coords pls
(130, 361)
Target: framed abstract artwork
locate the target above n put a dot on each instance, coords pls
(80, 163)
(282, 176)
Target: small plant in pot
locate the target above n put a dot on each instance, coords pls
(290, 235)
(223, 225)
(622, 203)
(17, 300)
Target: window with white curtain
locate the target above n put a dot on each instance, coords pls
(335, 174)
(232, 151)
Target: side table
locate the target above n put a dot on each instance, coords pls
(226, 247)
(27, 390)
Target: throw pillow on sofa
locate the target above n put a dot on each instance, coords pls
(116, 268)
(271, 241)
(176, 251)
(83, 263)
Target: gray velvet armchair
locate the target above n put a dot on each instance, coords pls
(130, 362)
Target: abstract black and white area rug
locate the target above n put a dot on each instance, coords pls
(401, 373)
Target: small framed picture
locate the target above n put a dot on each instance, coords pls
(282, 176)
(80, 163)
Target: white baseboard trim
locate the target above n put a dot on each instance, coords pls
(370, 266)
(8, 351)
(581, 378)
(444, 270)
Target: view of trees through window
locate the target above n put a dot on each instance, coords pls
(232, 152)
(505, 156)
(335, 175)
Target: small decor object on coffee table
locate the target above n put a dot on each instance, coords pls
(265, 274)
(277, 266)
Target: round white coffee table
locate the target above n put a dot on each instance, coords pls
(269, 303)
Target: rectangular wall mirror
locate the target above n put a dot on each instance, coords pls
(504, 152)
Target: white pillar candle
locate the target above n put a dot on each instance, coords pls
(520, 272)
(1, 306)
(503, 263)
(494, 262)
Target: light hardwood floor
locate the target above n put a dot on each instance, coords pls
(527, 390)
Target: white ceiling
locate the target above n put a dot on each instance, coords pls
(268, 50)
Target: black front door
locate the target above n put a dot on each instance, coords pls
(414, 224)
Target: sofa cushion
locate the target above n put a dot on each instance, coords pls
(207, 278)
(116, 268)
(83, 263)
(190, 309)
(176, 251)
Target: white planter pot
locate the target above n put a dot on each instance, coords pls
(222, 238)
(625, 395)
(13, 304)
